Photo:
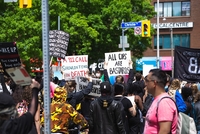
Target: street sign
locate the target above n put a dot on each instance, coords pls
(137, 30)
(131, 24)
(124, 39)
(7, 1)
(125, 45)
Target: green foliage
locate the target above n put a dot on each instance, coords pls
(93, 25)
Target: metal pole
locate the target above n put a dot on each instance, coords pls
(46, 81)
(172, 51)
(58, 22)
(123, 37)
(158, 51)
(123, 40)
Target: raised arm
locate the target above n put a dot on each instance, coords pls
(34, 102)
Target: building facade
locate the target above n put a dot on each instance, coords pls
(179, 22)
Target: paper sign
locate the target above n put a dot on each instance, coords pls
(118, 63)
(19, 76)
(58, 43)
(82, 83)
(9, 55)
(73, 66)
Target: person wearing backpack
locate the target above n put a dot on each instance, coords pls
(160, 119)
(128, 108)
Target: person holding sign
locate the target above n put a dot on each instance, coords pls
(74, 97)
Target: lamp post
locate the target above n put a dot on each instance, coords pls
(172, 51)
(158, 46)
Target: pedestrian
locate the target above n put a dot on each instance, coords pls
(128, 106)
(197, 111)
(162, 118)
(10, 123)
(105, 113)
(62, 112)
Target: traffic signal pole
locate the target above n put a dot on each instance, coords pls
(123, 49)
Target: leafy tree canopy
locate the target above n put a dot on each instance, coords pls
(93, 25)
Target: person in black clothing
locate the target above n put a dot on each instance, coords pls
(74, 97)
(128, 107)
(105, 113)
(9, 124)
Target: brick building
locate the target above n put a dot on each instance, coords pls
(178, 20)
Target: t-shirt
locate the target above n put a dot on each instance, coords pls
(21, 125)
(167, 111)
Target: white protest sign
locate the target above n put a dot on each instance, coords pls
(73, 66)
(118, 63)
(19, 76)
(82, 83)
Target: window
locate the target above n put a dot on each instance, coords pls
(170, 9)
(178, 40)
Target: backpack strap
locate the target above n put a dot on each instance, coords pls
(164, 98)
(121, 98)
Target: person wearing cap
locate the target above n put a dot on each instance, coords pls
(105, 113)
(10, 123)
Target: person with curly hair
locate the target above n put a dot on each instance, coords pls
(10, 123)
(22, 97)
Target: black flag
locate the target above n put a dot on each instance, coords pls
(187, 64)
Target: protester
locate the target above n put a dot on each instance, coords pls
(197, 111)
(194, 88)
(62, 113)
(105, 113)
(22, 97)
(9, 122)
(173, 91)
(128, 107)
(162, 118)
(136, 123)
(73, 97)
(186, 93)
(139, 81)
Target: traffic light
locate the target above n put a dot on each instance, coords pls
(146, 26)
(25, 3)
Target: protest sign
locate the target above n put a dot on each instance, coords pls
(118, 63)
(99, 66)
(19, 76)
(82, 82)
(58, 43)
(9, 56)
(73, 66)
(187, 64)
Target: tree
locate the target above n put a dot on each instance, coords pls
(93, 25)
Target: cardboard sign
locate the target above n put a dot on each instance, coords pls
(9, 56)
(118, 63)
(58, 43)
(82, 83)
(73, 66)
(19, 76)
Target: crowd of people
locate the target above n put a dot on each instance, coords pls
(129, 107)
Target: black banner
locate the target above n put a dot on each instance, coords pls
(58, 43)
(9, 56)
(187, 64)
